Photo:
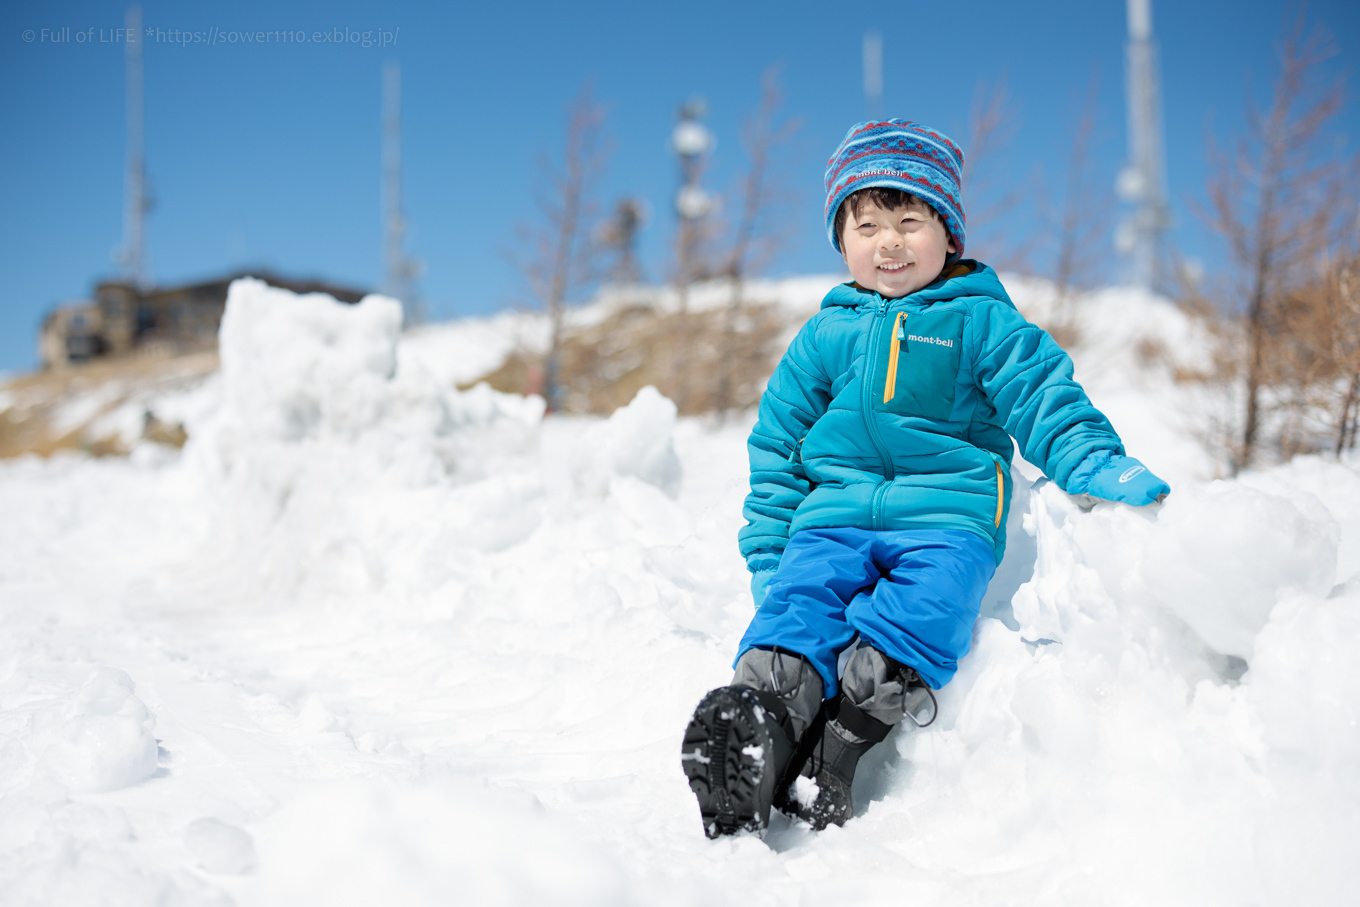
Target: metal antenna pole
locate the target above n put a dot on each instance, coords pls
(691, 141)
(132, 256)
(400, 270)
(1142, 183)
(873, 74)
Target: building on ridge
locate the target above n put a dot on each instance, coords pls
(126, 320)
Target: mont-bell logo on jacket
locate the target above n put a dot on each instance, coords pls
(938, 341)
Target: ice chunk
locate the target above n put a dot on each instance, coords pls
(220, 847)
(635, 441)
(805, 790)
(323, 453)
(98, 739)
(1305, 681)
(294, 364)
(309, 371)
(1220, 555)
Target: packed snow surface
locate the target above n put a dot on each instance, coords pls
(368, 639)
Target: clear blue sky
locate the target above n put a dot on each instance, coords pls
(269, 155)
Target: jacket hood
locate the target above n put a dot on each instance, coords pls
(963, 278)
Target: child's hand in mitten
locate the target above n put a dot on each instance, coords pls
(1107, 475)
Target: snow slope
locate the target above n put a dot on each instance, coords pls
(368, 639)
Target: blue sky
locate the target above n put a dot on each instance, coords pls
(269, 155)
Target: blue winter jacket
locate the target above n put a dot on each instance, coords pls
(892, 414)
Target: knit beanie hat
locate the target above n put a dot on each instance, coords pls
(902, 155)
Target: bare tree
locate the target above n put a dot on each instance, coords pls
(1315, 363)
(753, 236)
(992, 121)
(1342, 327)
(1270, 200)
(991, 127)
(559, 258)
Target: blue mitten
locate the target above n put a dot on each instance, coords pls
(1107, 475)
(760, 585)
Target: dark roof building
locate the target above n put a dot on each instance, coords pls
(124, 319)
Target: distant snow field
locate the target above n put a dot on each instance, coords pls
(368, 639)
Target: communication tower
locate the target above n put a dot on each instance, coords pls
(401, 271)
(1142, 183)
(131, 255)
(873, 74)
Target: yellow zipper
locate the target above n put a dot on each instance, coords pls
(890, 386)
(1000, 494)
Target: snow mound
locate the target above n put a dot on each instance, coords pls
(321, 430)
(97, 739)
(1330, 482)
(308, 372)
(299, 366)
(1218, 557)
(1221, 555)
(635, 441)
(418, 646)
(1121, 715)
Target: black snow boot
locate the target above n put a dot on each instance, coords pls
(736, 750)
(847, 735)
(876, 693)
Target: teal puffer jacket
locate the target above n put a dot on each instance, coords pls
(898, 414)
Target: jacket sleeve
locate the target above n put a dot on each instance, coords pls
(1028, 379)
(797, 396)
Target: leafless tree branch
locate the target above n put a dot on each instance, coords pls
(557, 253)
(1271, 200)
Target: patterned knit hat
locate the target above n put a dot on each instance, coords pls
(900, 155)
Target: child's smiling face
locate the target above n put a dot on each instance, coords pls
(894, 251)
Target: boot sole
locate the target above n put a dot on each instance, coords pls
(724, 758)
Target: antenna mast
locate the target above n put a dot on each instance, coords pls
(132, 255)
(873, 74)
(1142, 183)
(401, 271)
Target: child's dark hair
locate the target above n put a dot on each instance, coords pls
(885, 197)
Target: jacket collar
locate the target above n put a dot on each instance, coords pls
(965, 277)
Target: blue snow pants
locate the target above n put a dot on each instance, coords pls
(914, 595)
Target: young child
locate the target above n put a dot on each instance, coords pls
(880, 481)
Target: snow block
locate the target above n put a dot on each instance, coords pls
(1221, 555)
(326, 442)
(296, 365)
(98, 739)
(635, 441)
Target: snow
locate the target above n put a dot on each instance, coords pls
(99, 738)
(368, 638)
(220, 847)
(634, 441)
(805, 790)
